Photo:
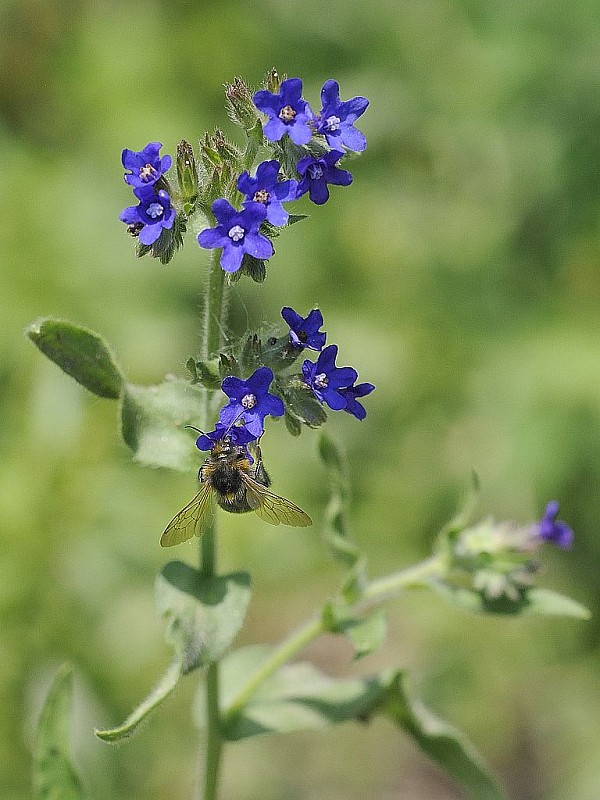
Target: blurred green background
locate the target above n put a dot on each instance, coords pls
(459, 273)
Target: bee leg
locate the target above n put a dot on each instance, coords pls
(260, 473)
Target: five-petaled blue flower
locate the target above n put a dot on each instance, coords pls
(352, 404)
(317, 172)
(326, 380)
(237, 233)
(146, 165)
(238, 434)
(266, 189)
(336, 118)
(553, 530)
(250, 401)
(304, 331)
(287, 112)
(154, 212)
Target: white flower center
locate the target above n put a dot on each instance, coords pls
(321, 381)
(236, 233)
(332, 123)
(261, 196)
(155, 210)
(249, 400)
(287, 114)
(315, 171)
(147, 172)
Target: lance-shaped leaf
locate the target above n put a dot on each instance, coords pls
(153, 420)
(203, 617)
(336, 530)
(54, 777)
(81, 353)
(533, 602)
(300, 697)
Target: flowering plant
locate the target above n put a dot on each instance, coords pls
(233, 199)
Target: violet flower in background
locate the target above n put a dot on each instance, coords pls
(326, 380)
(351, 393)
(553, 530)
(237, 233)
(304, 331)
(146, 166)
(336, 119)
(250, 401)
(317, 172)
(265, 188)
(288, 112)
(153, 213)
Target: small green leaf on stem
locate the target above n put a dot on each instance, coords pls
(532, 602)
(79, 352)
(54, 777)
(204, 614)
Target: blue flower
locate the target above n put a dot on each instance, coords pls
(238, 434)
(553, 530)
(153, 213)
(266, 189)
(237, 233)
(146, 165)
(336, 118)
(287, 112)
(352, 404)
(318, 172)
(326, 380)
(304, 331)
(250, 401)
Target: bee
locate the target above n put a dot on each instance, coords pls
(238, 485)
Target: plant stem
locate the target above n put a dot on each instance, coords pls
(374, 593)
(214, 321)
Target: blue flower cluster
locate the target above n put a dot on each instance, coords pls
(333, 385)
(238, 232)
(154, 211)
(552, 530)
(243, 418)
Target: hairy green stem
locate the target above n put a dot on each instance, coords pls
(214, 321)
(374, 593)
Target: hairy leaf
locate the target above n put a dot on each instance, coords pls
(204, 615)
(81, 353)
(533, 602)
(54, 777)
(153, 420)
(300, 697)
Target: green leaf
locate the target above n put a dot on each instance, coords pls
(335, 527)
(167, 244)
(368, 634)
(297, 697)
(81, 353)
(54, 777)
(203, 617)
(153, 420)
(533, 602)
(300, 697)
(161, 691)
(204, 614)
(208, 373)
(441, 741)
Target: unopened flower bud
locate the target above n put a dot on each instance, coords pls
(187, 172)
(240, 106)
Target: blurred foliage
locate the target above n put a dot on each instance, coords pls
(459, 273)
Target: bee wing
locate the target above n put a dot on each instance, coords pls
(272, 508)
(192, 519)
